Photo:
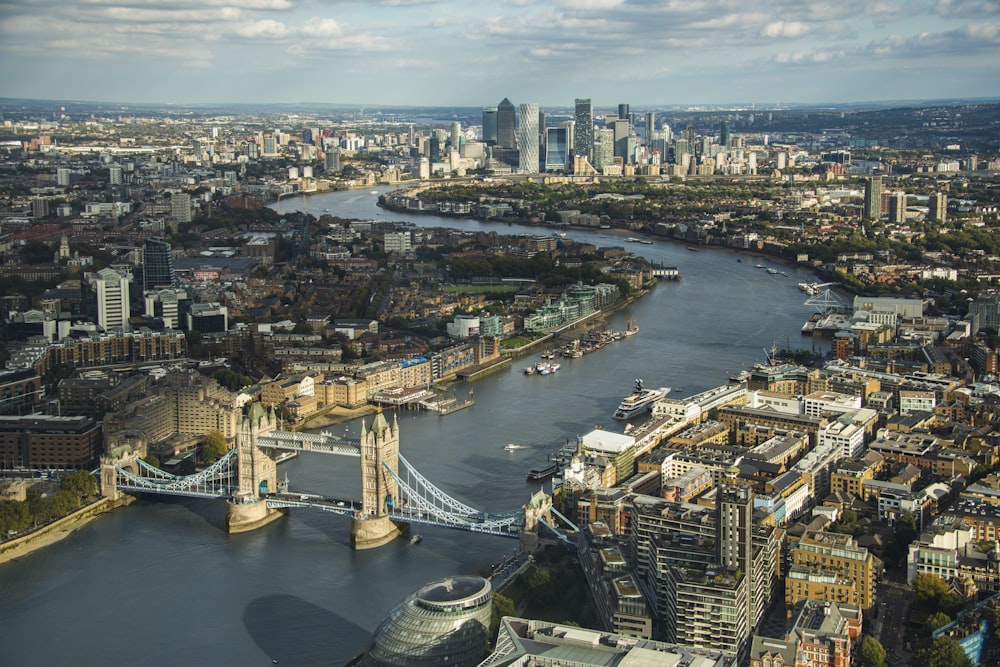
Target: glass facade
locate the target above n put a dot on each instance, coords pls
(157, 265)
(444, 623)
(556, 148)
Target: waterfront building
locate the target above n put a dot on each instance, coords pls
(157, 265)
(527, 138)
(331, 160)
(873, 198)
(446, 622)
(506, 124)
(583, 128)
(39, 442)
(112, 300)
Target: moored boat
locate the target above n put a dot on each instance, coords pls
(640, 401)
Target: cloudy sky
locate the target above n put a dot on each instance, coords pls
(475, 52)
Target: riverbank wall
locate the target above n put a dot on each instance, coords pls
(58, 529)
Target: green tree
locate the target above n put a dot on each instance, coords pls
(213, 447)
(871, 653)
(80, 483)
(14, 516)
(152, 460)
(502, 606)
(936, 620)
(941, 652)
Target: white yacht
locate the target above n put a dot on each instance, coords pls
(640, 401)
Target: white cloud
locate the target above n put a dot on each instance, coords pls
(589, 5)
(320, 27)
(966, 9)
(263, 29)
(789, 29)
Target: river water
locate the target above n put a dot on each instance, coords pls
(160, 583)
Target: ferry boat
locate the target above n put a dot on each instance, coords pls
(645, 242)
(640, 401)
(512, 447)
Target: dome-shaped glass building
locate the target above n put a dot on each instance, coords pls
(444, 623)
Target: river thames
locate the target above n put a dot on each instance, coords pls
(159, 583)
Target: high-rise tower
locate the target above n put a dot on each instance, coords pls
(583, 130)
(937, 209)
(527, 135)
(724, 134)
(506, 124)
(873, 198)
(112, 300)
(157, 265)
(490, 125)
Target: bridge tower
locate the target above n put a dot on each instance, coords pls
(257, 474)
(371, 526)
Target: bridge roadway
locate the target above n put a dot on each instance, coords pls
(420, 502)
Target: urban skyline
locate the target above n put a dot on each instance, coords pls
(548, 51)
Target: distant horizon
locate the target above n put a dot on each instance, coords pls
(692, 106)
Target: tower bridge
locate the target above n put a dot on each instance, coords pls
(394, 494)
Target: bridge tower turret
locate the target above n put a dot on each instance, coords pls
(257, 474)
(371, 526)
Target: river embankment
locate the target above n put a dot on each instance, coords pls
(59, 529)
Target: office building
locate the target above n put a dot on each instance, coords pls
(489, 126)
(456, 134)
(112, 300)
(650, 125)
(180, 207)
(43, 442)
(831, 567)
(873, 198)
(444, 623)
(157, 265)
(623, 113)
(937, 207)
(583, 129)
(527, 135)
(506, 124)
(556, 148)
(724, 136)
(623, 130)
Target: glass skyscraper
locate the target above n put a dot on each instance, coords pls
(556, 148)
(506, 124)
(490, 125)
(157, 265)
(583, 131)
(527, 135)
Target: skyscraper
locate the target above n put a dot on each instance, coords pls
(937, 209)
(873, 198)
(157, 265)
(112, 300)
(527, 136)
(456, 134)
(180, 206)
(583, 131)
(556, 148)
(650, 126)
(604, 149)
(897, 207)
(622, 129)
(623, 112)
(490, 125)
(724, 135)
(506, 124)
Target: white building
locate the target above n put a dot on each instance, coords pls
(849, 438)
(398, 242)
(112, 300)
(464, 326)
